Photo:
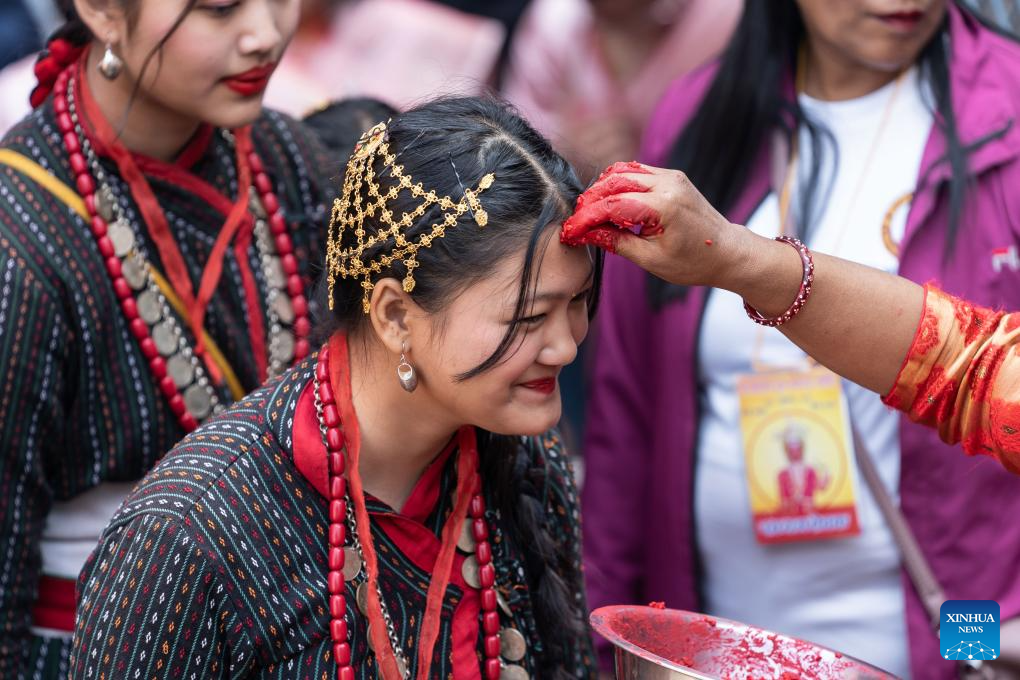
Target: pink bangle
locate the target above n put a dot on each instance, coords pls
(802, 295)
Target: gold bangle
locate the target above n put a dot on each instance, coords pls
(887, 240)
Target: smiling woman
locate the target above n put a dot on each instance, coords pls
(399, 498)
(157, 229)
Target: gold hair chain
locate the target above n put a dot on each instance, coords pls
(351, 210)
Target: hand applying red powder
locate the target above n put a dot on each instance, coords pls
(657, 219)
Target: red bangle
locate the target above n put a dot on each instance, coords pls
(802, 295)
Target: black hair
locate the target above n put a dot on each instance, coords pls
(448, 145)
(746, 103)
(341, 123)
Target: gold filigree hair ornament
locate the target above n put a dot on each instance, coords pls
(350, 212)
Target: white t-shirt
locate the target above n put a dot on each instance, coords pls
(842, 593)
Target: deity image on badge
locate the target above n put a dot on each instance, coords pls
(799, 481)
(798, 456)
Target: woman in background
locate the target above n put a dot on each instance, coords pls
(157, 229)
(588, 73)
(874, 131)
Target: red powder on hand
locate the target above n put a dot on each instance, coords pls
(657, 605)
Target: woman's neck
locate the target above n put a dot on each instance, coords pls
(628, 41)
(832, 76)
(401, 433)
(144, 116)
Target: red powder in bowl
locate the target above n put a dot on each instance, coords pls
(721, 648)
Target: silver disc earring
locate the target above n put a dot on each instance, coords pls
(110, 65)
(405, 372)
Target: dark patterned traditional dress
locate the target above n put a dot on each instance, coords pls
(216, 565)
(79, 409)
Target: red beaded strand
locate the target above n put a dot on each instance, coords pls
(86, 187)
(337, 516)
(285, 251)
(487, 581)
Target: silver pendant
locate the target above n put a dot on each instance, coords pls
(165, 338)
(368, 636)
(148, 307)
(104, 203)
(255, 203)
(275, 273)
(180, 369)
(513, 672)
(470, 572)
(134, 272)
(503, 605)
(361, 597)
(352, 564)
(512, 645)
(283, 309)
(196, 398)
(466, 542)
(281, 346)
(123, 238)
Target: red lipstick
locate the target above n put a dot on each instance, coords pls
(251, 82)
(902, 22)
(543, 385)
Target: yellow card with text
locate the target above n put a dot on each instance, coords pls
(798, 455)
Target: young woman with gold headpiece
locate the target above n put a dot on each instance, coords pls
(156, 229)
(396, 504)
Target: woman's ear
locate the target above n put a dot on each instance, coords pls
(106, 19)
(391, 310)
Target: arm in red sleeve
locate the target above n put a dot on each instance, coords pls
(962, 376)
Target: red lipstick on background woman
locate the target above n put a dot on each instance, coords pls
(902, 21)
(250, 82)
(543, 385)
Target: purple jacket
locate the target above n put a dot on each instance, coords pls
(643, 415)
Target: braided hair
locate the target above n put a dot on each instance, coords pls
(448, 144)
(516, 482)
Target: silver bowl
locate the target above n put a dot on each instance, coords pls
(669, 644)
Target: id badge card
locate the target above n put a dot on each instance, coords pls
(798, 455)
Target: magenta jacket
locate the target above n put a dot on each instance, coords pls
(643, 415)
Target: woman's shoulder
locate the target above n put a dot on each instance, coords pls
(36, 139)
(36, 227)
(984, 60)
(972, 37)
(1006, 51)
(246, 447)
